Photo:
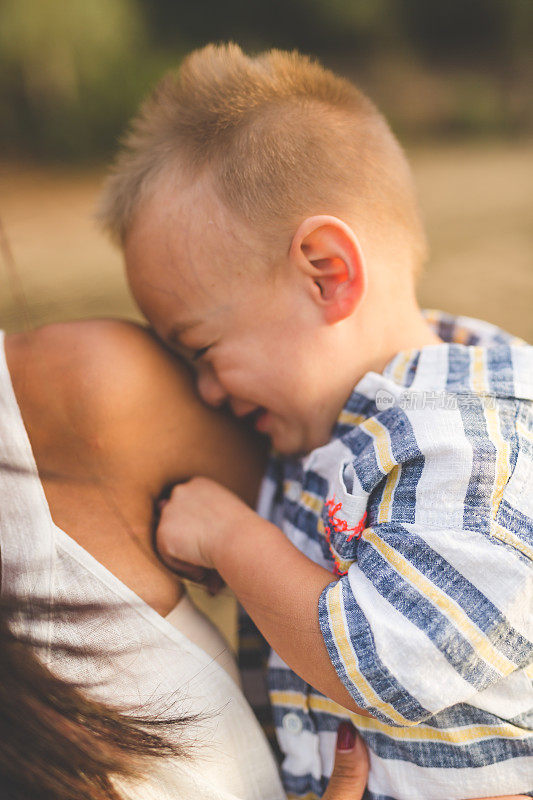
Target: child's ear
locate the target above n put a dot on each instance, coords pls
(327, 252)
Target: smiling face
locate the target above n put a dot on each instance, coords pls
(254, 335)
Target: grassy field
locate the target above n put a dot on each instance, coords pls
(476, 198)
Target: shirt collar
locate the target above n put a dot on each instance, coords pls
(486, 360)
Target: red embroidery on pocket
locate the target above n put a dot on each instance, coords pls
(340, 525)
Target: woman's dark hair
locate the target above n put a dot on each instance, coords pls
(55, 742)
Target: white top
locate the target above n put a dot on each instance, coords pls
(200, 630)
(158, 669)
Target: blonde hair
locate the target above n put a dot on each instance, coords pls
(282, 138)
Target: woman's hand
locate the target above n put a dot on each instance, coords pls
(350, 771)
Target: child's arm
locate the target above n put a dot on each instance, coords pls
(279, 587)
(406, 631)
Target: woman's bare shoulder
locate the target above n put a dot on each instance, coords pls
(111, 387)
(106, 356)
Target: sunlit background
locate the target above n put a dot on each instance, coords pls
(454, 78)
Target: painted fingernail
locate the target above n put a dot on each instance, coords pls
(346, 736)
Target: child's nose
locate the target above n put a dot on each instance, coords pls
(209, 387)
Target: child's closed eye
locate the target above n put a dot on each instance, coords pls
(199, 353)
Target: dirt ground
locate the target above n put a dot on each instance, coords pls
(476, 198)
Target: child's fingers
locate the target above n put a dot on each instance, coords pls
(189, 571)
(214, 582)
(200, 575)
(350, 772)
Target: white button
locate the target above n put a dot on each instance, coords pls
(293, 491)
(292, 723)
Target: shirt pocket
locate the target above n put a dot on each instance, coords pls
(343, 516)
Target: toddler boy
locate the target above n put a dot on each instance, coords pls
(272, 237)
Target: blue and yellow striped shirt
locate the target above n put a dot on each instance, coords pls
(422, 505)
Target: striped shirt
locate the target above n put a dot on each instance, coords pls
(422, 506)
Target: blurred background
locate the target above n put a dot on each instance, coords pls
(454, 79)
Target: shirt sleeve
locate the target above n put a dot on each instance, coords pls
(426, 618)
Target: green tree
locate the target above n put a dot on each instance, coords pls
(68, 71)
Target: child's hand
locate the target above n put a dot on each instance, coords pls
(199, 514)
